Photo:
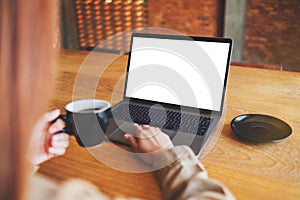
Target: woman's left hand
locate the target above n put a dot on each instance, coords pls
(47, 140)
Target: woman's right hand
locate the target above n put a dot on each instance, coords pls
(149, 140)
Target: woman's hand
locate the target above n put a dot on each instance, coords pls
(47, 140)
(149, 140)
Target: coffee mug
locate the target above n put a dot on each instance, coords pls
(87, 120)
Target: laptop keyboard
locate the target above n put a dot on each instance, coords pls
(163, 118)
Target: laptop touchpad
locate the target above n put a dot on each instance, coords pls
(127, 127)
(117, 134)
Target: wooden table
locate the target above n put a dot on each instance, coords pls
(250, 170)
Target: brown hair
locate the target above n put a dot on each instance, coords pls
(26, 71)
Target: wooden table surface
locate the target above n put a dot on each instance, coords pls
(250, 170)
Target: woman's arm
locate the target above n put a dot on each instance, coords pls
(186, 178)
(178, 172)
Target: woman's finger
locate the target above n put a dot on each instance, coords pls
(60, 144)
(60, 136)
(50, 116)
(139, 131)
(57, 126)
(145, 126)
(132, 141)
(57, 151)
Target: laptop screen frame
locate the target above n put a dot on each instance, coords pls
(180, 37)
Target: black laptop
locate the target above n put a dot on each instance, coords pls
(176, 83)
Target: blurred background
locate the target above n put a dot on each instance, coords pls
(265, 32)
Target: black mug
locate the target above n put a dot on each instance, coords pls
(87, 120)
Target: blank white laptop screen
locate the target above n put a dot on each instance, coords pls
(181, 72)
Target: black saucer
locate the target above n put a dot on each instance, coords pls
(261, 128)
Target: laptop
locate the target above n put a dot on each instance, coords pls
(176, 83)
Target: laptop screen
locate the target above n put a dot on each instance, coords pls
(178, 70)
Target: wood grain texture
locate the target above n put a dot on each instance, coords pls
(250, 170)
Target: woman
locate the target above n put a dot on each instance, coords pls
(27, 57)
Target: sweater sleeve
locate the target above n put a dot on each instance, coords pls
(184, 177)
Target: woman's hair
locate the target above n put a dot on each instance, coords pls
(26, 71)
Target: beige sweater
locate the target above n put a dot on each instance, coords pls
(185, 178)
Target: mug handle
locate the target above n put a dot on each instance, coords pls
(67, 129)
